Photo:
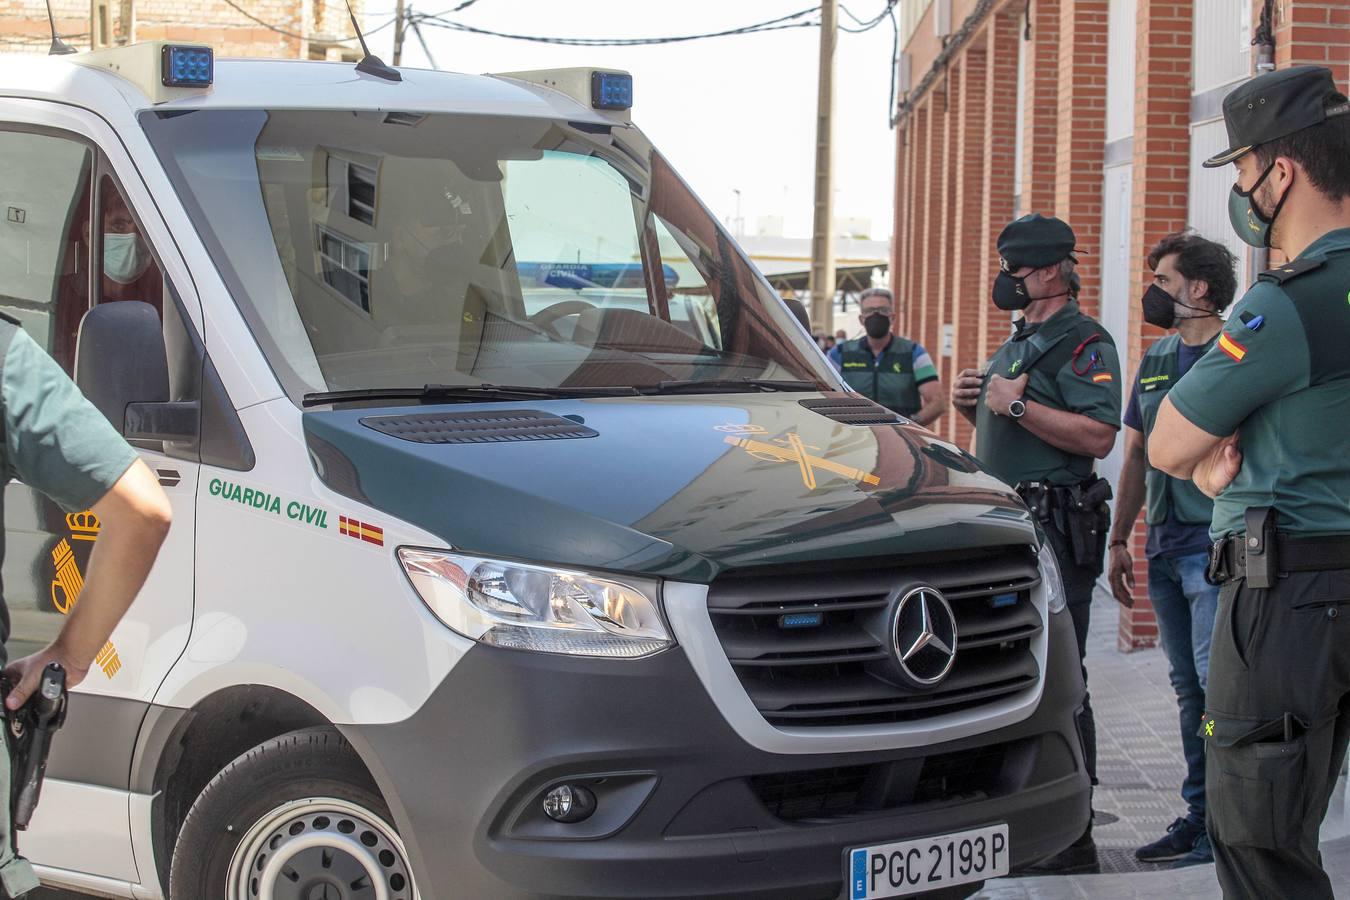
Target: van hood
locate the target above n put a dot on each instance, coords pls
(682, 487)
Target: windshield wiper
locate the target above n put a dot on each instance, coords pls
(727, 386)
(456, 393)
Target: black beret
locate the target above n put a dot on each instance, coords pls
(1035, 241)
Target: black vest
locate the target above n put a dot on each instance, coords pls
(1158, 371)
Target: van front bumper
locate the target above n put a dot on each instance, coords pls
(686, 808)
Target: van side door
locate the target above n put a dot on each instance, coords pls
(78, 228)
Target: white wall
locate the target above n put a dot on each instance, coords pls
(1120, 86)
(1117, 289)
(1222, 48)
(1222, 58)
(1209, 193)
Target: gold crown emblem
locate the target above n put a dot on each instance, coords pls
(84, 526)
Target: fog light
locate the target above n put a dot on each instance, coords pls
(569, 803)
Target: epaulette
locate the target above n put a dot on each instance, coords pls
(10, 319)
(1291, 270)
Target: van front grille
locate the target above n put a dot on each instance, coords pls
(818, 650)
(856, 790)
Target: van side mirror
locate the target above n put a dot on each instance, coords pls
(122, 367)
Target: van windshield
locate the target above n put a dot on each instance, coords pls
(375, 249)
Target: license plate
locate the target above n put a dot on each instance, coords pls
(925, 864)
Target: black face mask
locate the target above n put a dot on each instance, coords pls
(878, 325)
(1010, 292)
(1160, 308)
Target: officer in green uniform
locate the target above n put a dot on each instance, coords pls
(1193, 282)
(1262, 423)
(56, 442)
(1046, 406)
(894, 371)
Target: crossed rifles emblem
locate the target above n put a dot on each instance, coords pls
(790, 449)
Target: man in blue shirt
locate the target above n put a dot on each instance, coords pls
(1193, 282)
(892, 370)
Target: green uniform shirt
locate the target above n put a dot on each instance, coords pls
(1073, 366)
(1280, 377)
(55, 440)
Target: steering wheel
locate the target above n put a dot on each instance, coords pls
(549, 315)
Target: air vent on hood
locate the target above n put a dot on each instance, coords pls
(485, 427)
(854, 411)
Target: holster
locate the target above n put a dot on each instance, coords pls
(1262, 549)
(1077, 511)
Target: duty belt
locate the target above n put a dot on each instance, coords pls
(1228, 555)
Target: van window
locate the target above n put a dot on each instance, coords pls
(376, 250)
(44, 240)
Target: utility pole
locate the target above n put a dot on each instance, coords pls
(399, 21)
(821, 285)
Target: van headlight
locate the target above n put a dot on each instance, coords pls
(1055, 598)
(527, 607)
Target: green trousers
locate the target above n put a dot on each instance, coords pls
(1276, 727)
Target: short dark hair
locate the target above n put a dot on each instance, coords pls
(1200, 259)
(1322, 151)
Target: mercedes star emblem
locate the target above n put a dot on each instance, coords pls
(924, 636)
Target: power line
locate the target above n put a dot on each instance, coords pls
(305, 37)
(794, 20)
(870, 23)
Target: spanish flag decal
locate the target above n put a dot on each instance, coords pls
(1102, 377)
(1232, 347)
(371, 534)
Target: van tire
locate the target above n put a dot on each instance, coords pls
(311, 780)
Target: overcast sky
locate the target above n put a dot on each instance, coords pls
(732, 113)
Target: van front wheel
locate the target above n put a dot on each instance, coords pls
(295, 818)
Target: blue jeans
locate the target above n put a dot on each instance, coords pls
(1185, 605)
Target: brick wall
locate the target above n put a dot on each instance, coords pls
(1312, 33)
(1064, 125)
(968, 277)
(1081, 136)
(300, 28)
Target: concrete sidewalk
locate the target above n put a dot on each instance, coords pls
(1140, 768)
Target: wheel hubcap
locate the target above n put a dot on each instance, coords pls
(320, 849)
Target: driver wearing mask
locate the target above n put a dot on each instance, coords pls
(127, 263)
(894, 371)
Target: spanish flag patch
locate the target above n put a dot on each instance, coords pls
(1235, 350)
(371, 534)
(1102, 377)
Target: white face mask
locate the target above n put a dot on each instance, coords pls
(124, 257)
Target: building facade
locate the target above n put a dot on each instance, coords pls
(294, 29)
(1097, 111)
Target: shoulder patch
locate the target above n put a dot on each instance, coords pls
(1291, 270)
(1094, 361)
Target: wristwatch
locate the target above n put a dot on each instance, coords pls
(1017, 408)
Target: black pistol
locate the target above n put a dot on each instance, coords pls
(31, 728)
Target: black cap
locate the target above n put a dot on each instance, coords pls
(1275, 105)
(1034, 241)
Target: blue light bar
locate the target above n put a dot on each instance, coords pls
(801, 620)
(187, 66)
(611, 90)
